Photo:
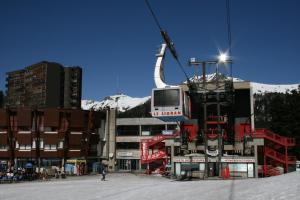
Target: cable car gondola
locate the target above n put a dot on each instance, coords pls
(170, 104)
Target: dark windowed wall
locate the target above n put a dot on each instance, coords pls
(45, 85)
(153, 129)
(128, 145)
(130, 130)
(1, 99)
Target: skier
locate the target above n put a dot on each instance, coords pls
(103, 174)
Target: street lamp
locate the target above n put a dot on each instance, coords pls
(223, 58)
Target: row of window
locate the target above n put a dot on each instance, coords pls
(60, 145)
(145, 130)
(42, 146)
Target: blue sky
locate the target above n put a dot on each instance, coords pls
(115, 41)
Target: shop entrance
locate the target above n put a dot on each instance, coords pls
(212, 169)
(128, 164)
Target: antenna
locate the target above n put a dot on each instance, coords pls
(117, 84)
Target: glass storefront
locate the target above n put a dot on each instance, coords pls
(128, 164)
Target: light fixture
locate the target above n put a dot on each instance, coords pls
(223, 57)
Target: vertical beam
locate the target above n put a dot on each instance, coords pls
(256, 161)
(172, 159)
(265, 162)
(37, 132)
(112, 140)
(10, 136)
(204, 120)
(219, 131)
(286, 160)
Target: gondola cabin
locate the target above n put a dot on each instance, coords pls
(170, 104)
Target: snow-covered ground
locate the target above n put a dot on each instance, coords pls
(136, 187)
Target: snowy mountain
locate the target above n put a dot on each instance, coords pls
(213, 77)
(260, 88)
(124, 102)
(120, 101)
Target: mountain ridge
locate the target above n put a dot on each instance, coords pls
(124, 102)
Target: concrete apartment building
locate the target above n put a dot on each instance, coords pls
(44, 85)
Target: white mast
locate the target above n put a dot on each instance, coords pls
(159, 77)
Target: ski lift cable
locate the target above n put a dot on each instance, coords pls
(228, 25)
(167, 40)
(228, 21)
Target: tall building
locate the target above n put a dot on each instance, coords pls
(1, 99)
(72, 87)
(44, 84)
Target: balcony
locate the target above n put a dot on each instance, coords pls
(24, 132)
(51, 153)
(74, 153)
(4, 153)
(25, 153)
(50, 132)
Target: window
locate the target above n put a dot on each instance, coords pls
(94, 147)
(127, 145)
(3, 147)
(50, 147)
(128, 165)
(61, 144)
(41, 143)
(169, 97)
(172, 126)
(34, 143)
(25, 146)
(128, 130)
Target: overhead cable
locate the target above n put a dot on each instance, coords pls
(167, 40)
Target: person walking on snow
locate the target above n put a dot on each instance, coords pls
(103, 174)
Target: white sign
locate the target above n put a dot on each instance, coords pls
(146, 133)
(166, 113)
(238, 160)
(212, 153)
(187, 159)
(125, 154)
(167, 132)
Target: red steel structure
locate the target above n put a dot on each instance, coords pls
(153, 151)
(275, 152)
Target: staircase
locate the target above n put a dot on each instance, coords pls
(269, 135)
(153, 150)
(275, 151)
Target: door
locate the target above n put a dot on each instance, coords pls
(250, 170)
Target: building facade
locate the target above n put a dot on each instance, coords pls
(44, 85)
(224, 145)
(129, 134)
(1, 99)
(50, 137)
